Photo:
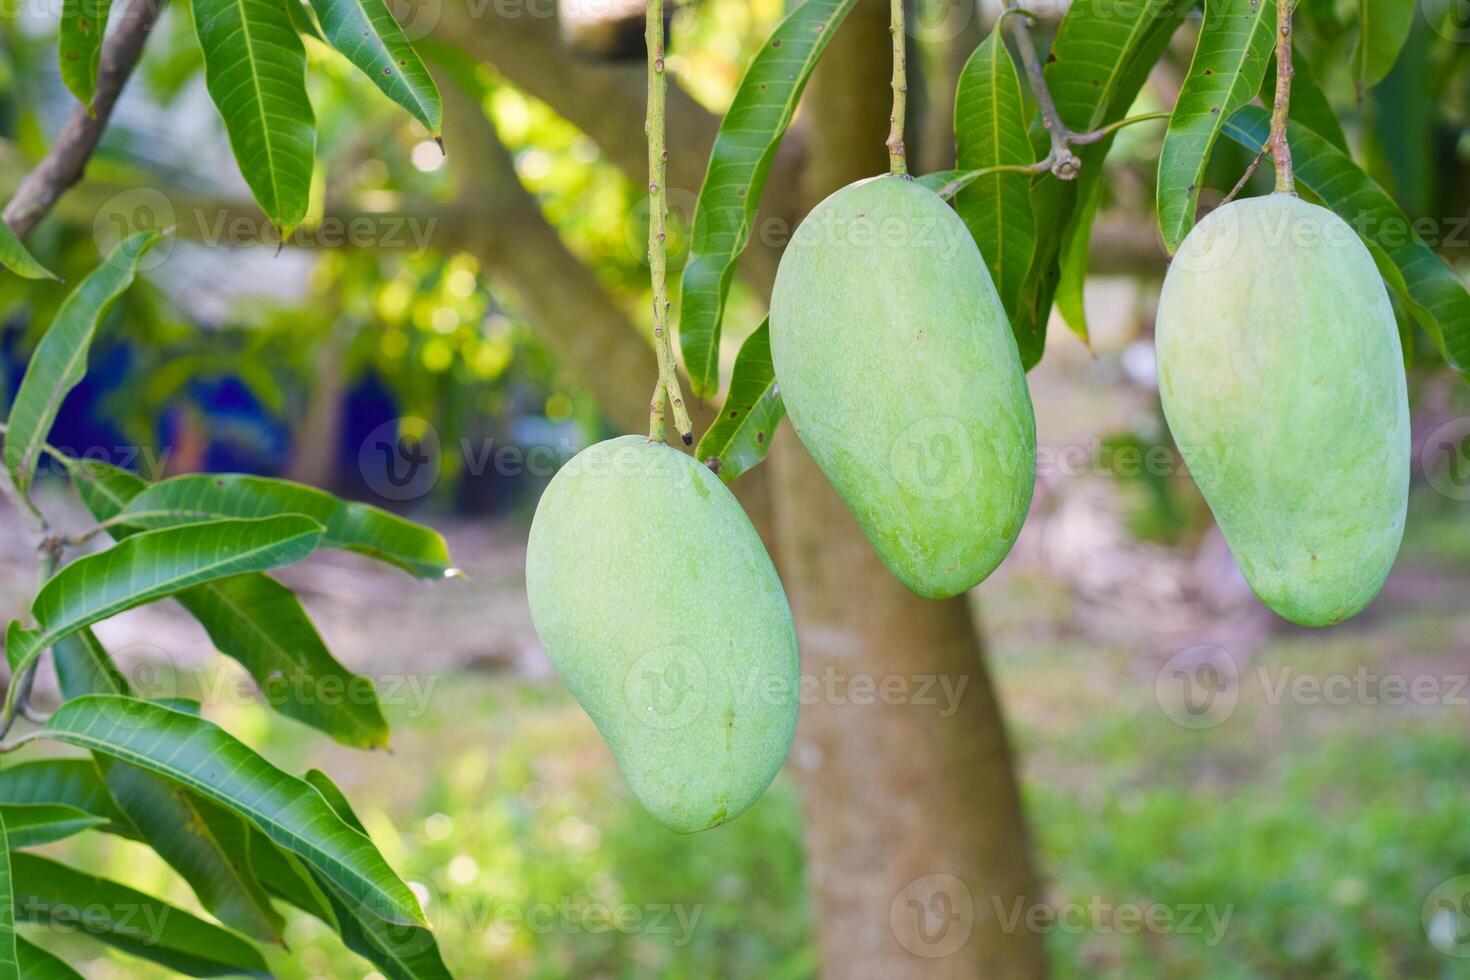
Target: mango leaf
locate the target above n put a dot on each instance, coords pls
(1309, 105)
(32, 824)
(149, 566)
(37, 964)
(285, 877)
(104, 488)
(15, 257)
(741, 157)
(79, 45)
(9, 959)
(1072, 259)
(259, 622)
(741, 436)
(365, 32)
(1230, 59)
(401, 952)
(1434, 294)
(990, 123)
(303, 20)
(354, 526)
(49, 893)
(255, 70)
(72, 783)
(203, 757)
(1383, 27)
(60, 359)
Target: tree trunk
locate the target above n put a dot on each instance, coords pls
(917, 850)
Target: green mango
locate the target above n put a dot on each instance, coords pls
(1282, 379)
(662, 613)
(899, 371)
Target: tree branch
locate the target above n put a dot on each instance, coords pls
(64, 163)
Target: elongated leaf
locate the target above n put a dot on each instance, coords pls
(255, 70)
(60, 360)
(746, 144)
(261, 623)
(368, 36)
(990, 124)
(31, 824)
(1431, 290)
(105, 489)
(203, 757)
(15, 257)
(149, 566)
(285, 877)
(72, 783)
(1309, 105)
(740, 438)
(79, 45)
(49, 893)
(401, 952)
(1383, 27)
(1230, 59)
(37, 964)
(9, 959)
(1075, 248)
(350, 525)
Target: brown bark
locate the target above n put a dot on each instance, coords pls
(916, 846)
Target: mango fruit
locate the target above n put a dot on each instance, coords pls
(901, 376)
(662, 613)
(1282, 380)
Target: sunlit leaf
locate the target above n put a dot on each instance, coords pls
(79, 45)
(990, 124)
(51, 894)
(32, 824)
(72, 783)
(365, 32)
(60, 359)
(203, 757)
(741, 436)
(749, 135)
(1383, 27)
(15, 257)
(1230, 59)
(255, 70)
(1434, 294)
(37, 964)
(350, 525)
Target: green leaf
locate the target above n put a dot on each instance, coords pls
(1230, 59)
(255, 70)
(354, 526)
(741, 158)
(1309, 104)
(104, 488)
(79, 45)
(149, 566)
(285, 877)
(261, 623)
(32, 824)
(1075, 248)
(72, 783)
(402, 952)
(990, 124)
(1431, 290)
(303, 20)
(52, 894)
(365, 32)
(37, 964)
(203, 757)
(740, 438)
(15, 257)
(1383, 27)
(60, 359)
(9, 959)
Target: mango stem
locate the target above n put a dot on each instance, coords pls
(898, 163)
(1281, 105)
(658, 160)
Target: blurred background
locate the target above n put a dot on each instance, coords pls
(1210, 792)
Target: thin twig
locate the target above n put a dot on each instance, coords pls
(67, 158)
(658, 160)
(898, 163)
(1061, 161)
(1245, 177)
(1281, 105)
